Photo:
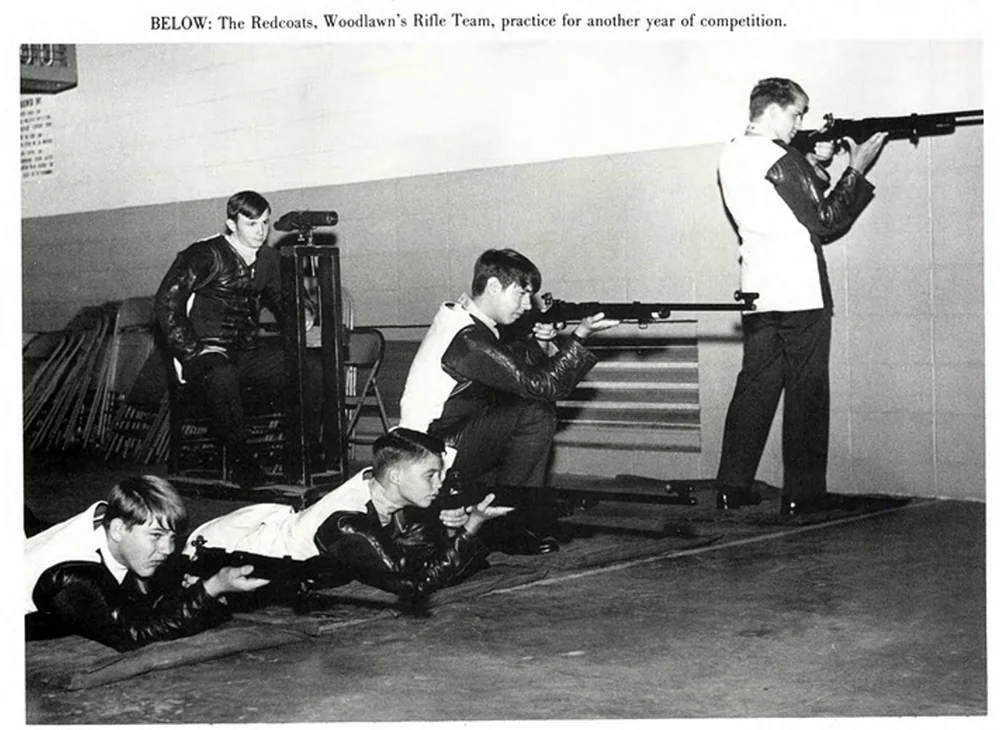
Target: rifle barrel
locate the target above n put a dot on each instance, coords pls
(911, 127)
(965, 119)
(561, 311)
(938, 118)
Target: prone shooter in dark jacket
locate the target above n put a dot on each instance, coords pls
(102, 574)
(372, 528)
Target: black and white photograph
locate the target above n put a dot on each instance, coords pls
(414, 361)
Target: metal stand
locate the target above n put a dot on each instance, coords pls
(324, 307)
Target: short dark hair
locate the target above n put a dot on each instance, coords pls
(249, 203)
(139, 499)
(508, 266)
(403, 445)
(782, 92)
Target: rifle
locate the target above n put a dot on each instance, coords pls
(555, 311)
(207, 561)
(911, 127)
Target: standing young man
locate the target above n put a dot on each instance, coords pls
(785, 215)
(492, 401)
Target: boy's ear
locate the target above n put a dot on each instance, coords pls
(116, 529)
(230, 225)
(771, 110)
(493, 286)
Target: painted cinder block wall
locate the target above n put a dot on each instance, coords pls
(596, 160)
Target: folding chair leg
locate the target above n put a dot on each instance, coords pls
(381, 408)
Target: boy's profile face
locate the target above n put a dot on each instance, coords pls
(787, 121)
(420, 481)
(141, 548)
(508, 303)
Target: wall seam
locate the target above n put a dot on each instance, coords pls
(930, 268)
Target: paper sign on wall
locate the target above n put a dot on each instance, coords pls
(37, 148)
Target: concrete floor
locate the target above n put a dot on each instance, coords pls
(878, 615)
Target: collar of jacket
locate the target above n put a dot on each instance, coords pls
(466, 303)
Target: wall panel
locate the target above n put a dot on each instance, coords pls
(432, 154)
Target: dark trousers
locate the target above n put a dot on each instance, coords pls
(790, 352)
(251, 380)
(508, 444)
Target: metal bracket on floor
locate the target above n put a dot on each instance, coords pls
(629, 488)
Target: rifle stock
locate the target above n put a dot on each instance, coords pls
(911, 127)
(558, 311)
(207, 561)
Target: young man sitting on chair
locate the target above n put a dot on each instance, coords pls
(364, 530)
(494, 400)
(208, 307)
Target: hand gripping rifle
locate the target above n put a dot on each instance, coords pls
(556, 311)
(911, 127)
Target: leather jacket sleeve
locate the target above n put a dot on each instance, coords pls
(823, 216)
(85, 598)
(472, 356)
(411, 567)
(192, 269)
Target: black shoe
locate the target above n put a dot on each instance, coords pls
(794, 506)
(317, 457)
(519, 540)
(33, 525)
(248, 474)
(729, 498)
(313, 495)
(554, 530)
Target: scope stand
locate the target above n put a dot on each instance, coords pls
(299, 262)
